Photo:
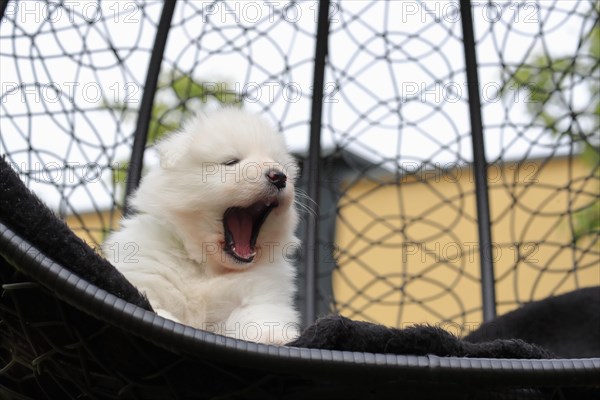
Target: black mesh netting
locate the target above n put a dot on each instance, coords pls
(411, 202)
(398, 236)
(398, 191)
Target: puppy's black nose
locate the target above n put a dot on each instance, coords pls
(277, 178)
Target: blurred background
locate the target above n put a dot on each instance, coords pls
(398, 234)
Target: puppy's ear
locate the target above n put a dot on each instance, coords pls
(172, 148)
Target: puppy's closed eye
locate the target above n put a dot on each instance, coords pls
(233, 161)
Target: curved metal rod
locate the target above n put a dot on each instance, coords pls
(311, 234)
(479, 165)
(307, 363)
(134, 172)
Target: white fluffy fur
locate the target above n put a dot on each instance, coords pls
(172, 248)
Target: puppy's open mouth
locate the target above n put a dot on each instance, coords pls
(242, 226)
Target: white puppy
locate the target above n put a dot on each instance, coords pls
(213, 232)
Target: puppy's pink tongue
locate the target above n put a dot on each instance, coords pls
(240, 225)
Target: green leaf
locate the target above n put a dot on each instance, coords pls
(591, 155)
(119, 172)
(587, 221)
(548, 80)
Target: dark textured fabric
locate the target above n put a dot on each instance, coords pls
(339, 333)
(568, 325)
(24, 212)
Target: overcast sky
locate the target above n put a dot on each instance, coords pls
(266, 49)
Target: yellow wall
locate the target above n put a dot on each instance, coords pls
(429, 259)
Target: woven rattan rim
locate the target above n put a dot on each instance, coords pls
(313, 363)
